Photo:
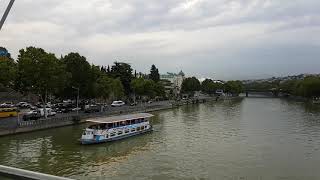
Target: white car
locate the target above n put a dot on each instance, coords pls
(117, 103)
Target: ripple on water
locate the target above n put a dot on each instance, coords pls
(222, 140)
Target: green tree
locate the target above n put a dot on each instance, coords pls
(138, 86)
(123, 71)
(40, 72)
(117, 89)
(209, 86)
(80, 75)
(109, 88)
(104, 87)
(190, 85)
(310, 87)
(233, 87)
(8, 69)
(154, 74)
(149, 88)
(159, 89)
(94, 75)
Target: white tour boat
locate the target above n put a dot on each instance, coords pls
(116, 127)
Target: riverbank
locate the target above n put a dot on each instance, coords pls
(73, 119)
(254, 137)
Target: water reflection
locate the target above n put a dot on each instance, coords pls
(250, 137)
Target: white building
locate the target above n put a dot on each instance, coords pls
(175, 79)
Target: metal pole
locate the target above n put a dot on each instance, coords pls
(78, 89)
(78, 102)
(6, 12)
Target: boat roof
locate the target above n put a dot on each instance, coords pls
(120, 118)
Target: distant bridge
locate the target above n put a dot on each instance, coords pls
(262, 92)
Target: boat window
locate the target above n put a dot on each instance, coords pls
(93, 127)
(145, 127)
(138, 128)
(133, 130)
(106, 136)
(110, 125)
(120, 132)
(112, 134)
(126, 131)
(142, 128)
(104, 126)
(84, 133)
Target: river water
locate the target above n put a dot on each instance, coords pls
(251, 138)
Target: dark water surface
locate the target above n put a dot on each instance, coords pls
(253, 138)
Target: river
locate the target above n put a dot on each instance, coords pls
(250, 138)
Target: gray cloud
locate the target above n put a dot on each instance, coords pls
(208, 38)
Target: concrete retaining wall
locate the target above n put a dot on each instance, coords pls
(28, 126)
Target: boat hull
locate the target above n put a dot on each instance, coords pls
(93, 141)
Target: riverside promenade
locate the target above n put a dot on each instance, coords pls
(16, 125)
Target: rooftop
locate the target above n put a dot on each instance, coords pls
(120, 118)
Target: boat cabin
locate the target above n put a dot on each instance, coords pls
(110, 125)
(116, 127)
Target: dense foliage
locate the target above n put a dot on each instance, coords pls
(147, 88)
(8, 71)
(39, 72)
(233, 87)
(190, 85)
(208, 86)
(154, 74)
(308, 87)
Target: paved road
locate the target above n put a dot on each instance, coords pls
(12, 122)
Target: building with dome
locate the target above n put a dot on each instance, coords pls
(4, 52)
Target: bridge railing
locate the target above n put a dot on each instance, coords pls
(7, 172)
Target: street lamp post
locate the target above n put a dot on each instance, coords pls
(78, 89)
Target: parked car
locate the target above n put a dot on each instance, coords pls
(33, 107)
(134, 104)
(7, 105)
(76, 109)
(31, 115)
(48, 111)
(117, 103)
(91, 108)
(23, 105)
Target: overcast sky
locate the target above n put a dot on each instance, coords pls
(221, 39)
